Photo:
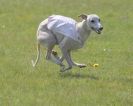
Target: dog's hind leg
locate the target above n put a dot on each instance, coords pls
(61, 58)
(52, 56)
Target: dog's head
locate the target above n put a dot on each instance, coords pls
(93, 22)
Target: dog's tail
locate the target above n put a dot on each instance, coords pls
(34, 63)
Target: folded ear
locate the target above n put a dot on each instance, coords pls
(83, 16)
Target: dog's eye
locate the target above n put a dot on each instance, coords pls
(92, 21)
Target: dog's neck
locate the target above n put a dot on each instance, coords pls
(84, 30)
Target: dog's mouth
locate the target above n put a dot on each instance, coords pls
(98, 31)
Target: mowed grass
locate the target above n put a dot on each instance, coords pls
(110, 84)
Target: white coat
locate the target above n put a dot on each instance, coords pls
(63, 25)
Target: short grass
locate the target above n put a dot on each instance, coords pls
(110, 84)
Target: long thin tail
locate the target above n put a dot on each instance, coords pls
(38, 56)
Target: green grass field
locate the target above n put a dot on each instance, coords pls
(110, 84)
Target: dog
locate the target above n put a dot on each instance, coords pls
(68, 34)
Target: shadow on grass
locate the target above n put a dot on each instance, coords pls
(78, 76)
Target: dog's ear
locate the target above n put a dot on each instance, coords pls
(83, 16)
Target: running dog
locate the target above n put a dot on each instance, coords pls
(68, 34)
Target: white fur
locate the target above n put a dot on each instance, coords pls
(46, 37)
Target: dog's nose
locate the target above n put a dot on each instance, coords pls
(101, 28)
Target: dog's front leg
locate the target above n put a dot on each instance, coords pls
(76, 64)
(68, 59)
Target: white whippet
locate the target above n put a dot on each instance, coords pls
(68, 34)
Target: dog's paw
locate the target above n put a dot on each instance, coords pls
(63, 69)
(79, 65)
(82, 65)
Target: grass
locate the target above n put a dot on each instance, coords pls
(111, 84)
